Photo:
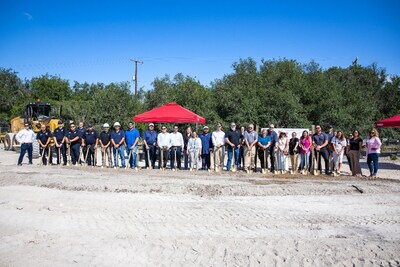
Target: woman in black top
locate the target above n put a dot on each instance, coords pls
(294, 151)
(354, 153)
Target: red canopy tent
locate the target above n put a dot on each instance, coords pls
(392, 122)
(171, 112)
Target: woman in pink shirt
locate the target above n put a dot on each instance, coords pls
(373, 151)
(305, 145)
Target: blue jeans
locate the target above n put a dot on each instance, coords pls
(121, 156)
(305, 161)
(132, 160)
(373, 163)
(24, 148)
(230, 154)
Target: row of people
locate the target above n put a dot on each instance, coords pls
(242, 148)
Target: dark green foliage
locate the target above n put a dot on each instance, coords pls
(283, 92)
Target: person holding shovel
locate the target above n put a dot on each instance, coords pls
(89, 142)
(44, 138)
(150, 146)
(74, 143)
(321, 141)
(233, 139)
(264, 142)
(117, 141)
(59, 135)
(131, 139)
(105, 143)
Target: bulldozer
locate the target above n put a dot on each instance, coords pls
(36, 113)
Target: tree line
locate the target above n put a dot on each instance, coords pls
(284, 92)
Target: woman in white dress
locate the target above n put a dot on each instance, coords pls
(194, 149)
(283, 152)
(339, 143)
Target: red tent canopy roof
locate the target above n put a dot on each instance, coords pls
(391, 122)
(171, 112)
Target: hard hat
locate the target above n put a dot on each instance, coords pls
(117, 124)
(106, 125)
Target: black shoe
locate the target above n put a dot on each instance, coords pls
(30, 163)
(329, 173)
(19, 164)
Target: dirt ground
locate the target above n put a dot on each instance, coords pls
(62, 216)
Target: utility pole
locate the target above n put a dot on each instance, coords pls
(135, 76)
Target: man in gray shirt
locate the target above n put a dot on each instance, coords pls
(250, 140)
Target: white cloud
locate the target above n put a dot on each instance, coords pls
(28, 16)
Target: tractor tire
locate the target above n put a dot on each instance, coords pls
(35, 151)
(15, 145)
(8, 141)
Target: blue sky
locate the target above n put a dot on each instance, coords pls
(93, 40)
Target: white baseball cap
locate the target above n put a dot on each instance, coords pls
(117, 124)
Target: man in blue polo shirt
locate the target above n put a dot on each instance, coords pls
(150, 145)
(321, 141)
(131, 139)
(81, 129)
(117, 140)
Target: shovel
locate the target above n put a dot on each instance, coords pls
(316, 170)
(175, 163)
(148, 159)
(129, 158)
(233, 165)
(276, 162)
(264, 170)
(87, 153)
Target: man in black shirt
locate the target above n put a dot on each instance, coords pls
(75, 143)
(233, 140)
(44, 138)
(90, 141)
(60, 135)
(105, 141)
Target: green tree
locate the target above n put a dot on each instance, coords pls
(13, 94)
(48, 87)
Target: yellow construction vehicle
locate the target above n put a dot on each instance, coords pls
(36, 113)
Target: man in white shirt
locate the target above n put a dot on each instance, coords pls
(218, 140)
(176, 147)
(25, 137)
(164, 143)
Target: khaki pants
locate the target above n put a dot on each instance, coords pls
(249, 155)
(293, 159)
(219, 158)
